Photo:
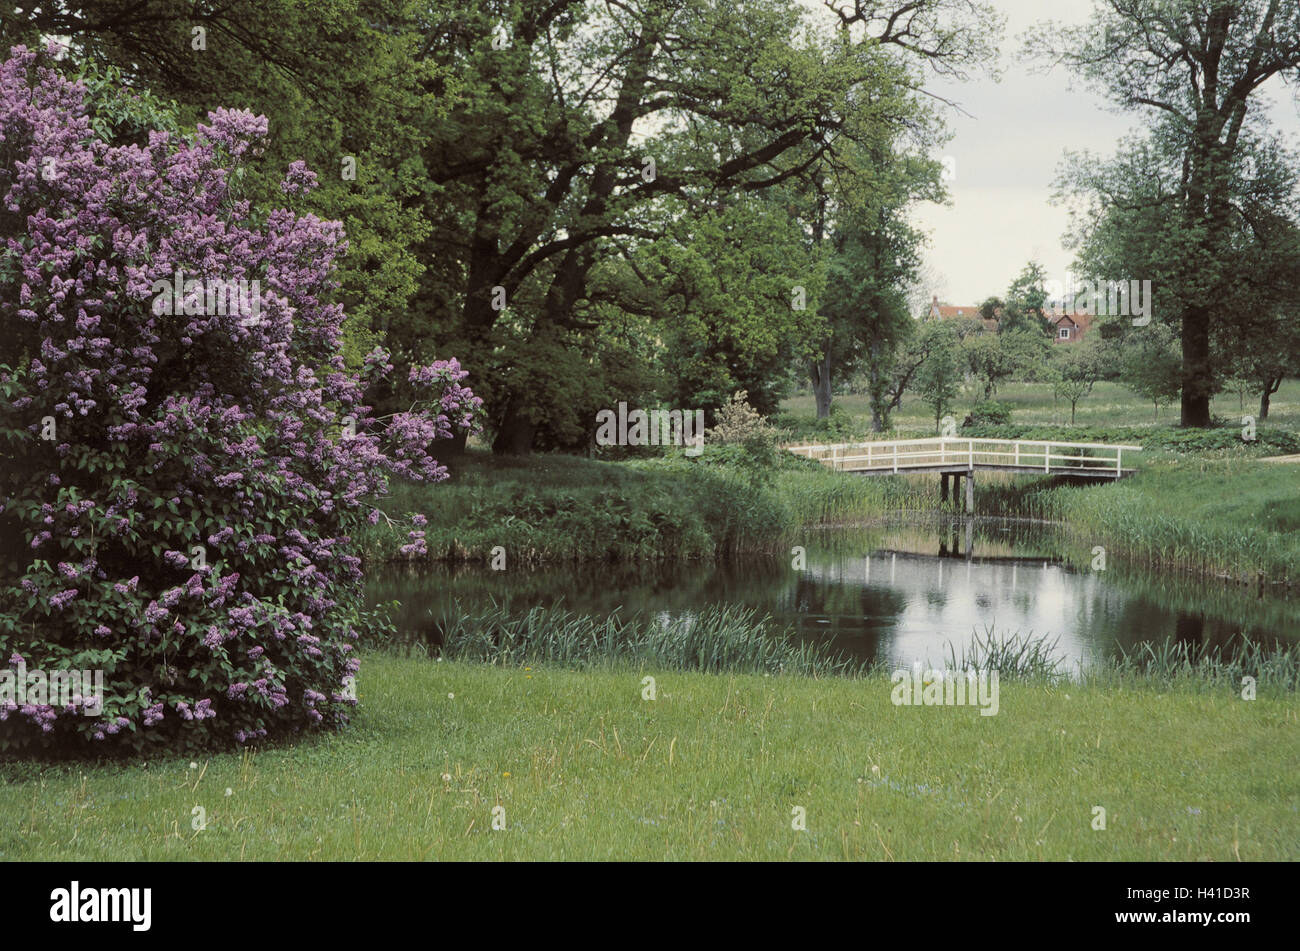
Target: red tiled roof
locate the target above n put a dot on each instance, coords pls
(947, 311)
(960, 312)
(1082, 321)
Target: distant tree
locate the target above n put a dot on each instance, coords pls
(902, 374)
(939, 377)
(1025, 302)
(1262, 350)
(992, 308)
(1078, 368)
(1151, 365)
(1182, 204)
(992, 358)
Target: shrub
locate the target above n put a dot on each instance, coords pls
(990, 413)
(179, 480)
(739, 424)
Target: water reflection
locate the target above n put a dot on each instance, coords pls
(900, 593)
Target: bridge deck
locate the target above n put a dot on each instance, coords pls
(951, 455)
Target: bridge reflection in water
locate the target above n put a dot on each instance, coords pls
(892, 592)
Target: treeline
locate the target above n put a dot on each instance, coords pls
(584, 201)
(589, 201)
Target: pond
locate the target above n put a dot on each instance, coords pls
(900, 592)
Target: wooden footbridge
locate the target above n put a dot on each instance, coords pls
(957, 458)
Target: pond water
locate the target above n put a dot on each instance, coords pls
(900, 592)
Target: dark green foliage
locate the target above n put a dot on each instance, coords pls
(990, 413)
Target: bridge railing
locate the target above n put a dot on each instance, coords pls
(900, 455)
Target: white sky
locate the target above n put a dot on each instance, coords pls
(1007, 155)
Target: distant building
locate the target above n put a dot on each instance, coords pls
(960, 312)
(1068, 327)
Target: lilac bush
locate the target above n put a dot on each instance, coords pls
(180, 476)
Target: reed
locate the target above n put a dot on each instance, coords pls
(1173, 663)
(717, 640)
(732, 639)
(1012, 655)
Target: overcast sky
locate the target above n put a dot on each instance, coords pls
(1007, 153)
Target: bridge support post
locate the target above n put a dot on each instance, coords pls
(970, 493)
(943, 488)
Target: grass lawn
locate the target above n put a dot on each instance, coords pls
(712, 769)
(1109, 404)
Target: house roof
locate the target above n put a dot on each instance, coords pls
(1057, 317)
(947, 311)
(959, 312)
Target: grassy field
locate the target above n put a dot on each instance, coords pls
(713, 768)
(1109, 405)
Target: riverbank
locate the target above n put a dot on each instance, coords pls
(1222, 518)
(554, 509)
(1224, 514)
(713, 768)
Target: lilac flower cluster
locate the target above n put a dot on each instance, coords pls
(181, 430)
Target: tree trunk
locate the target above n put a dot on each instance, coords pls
(879, 407)
(569, 283)
(515, 437)
(821, 383)
(1196, 368)
(1270, 387)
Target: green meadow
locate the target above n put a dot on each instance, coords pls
(714, 768)
(1109, 404)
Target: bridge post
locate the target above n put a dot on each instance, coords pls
(970, 492)
(943, 488)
